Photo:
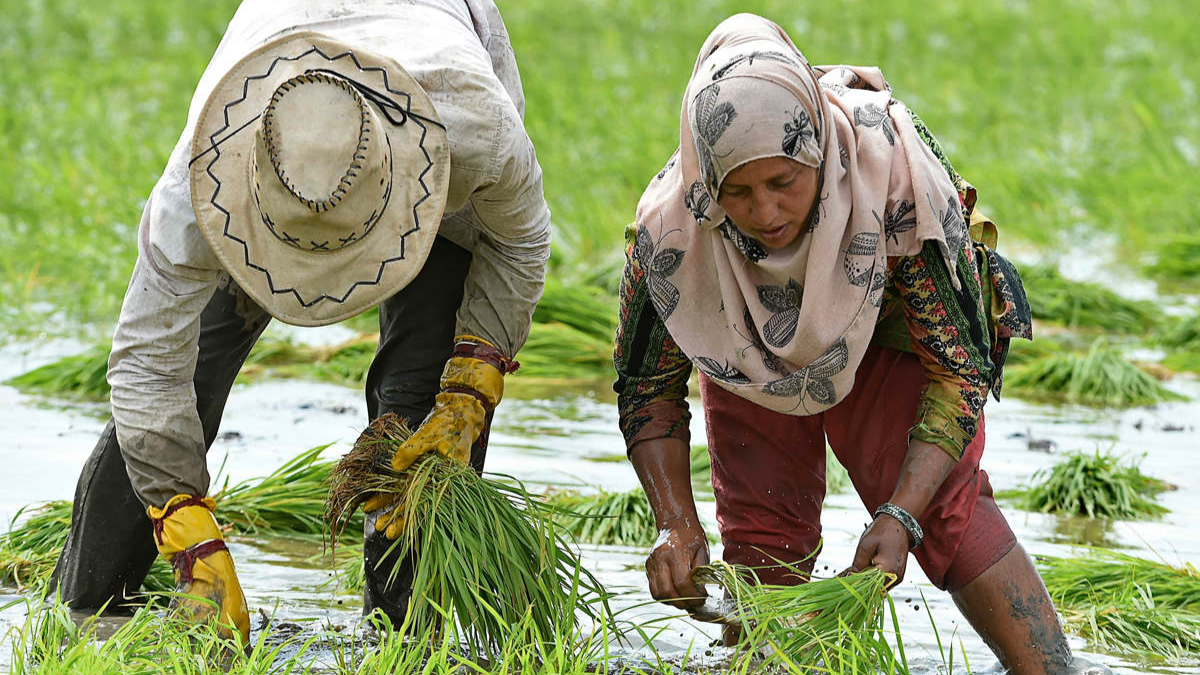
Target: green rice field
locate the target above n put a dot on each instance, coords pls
(1075, 119)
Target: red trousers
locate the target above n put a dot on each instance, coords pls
(768, 475)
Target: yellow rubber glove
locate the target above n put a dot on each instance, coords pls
(187, 535)
(472, 385)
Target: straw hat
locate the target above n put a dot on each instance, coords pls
(318, 175)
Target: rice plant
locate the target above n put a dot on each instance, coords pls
(1096, 485)
(288, 501)
(820, 626)
(1177, 260)
(605, 518)
(80, 376)
(589, 309)
(1126, 604)
(1081, 304)
(486, 551)
(556, 350)
(1099, 377)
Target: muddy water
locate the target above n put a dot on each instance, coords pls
(554, 436)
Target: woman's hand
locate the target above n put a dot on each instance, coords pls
(681, 547)
(884, 544)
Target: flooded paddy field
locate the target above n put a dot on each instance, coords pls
(567, 436)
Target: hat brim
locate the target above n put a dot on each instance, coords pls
(301, 287)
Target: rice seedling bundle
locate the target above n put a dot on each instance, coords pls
(1082, 304)
(605, 518)
(1185, 332)
(588, 309)
(1104, 573)
(289, 501)
(79, 376)
(821, 626)
(1095, 485)
(1127, 604)
(556, 350)
(1100, 377)
(485, 551)
(1178, 259)
(28, 551)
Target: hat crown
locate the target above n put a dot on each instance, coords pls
(331, 164)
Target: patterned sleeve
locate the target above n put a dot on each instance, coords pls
(948, 333)
(652, 372)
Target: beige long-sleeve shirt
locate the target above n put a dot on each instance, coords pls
(458, 50)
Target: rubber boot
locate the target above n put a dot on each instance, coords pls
(207, 586)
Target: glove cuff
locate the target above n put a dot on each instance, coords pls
(183, 522)
(477, 367)
(473, 347)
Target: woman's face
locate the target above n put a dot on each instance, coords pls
(770, 199)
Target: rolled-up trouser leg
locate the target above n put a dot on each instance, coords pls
(416, 335)
(110, 545)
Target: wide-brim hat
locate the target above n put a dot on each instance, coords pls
(318, 175)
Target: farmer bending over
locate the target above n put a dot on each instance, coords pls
(338, 155)
(810, 249)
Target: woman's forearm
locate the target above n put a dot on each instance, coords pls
(925, 468)
(664, 469)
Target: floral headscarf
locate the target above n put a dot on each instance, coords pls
(787, 328)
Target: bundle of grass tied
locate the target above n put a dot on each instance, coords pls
(28, 550)
(290, 501)
(605, 518)
(1077, 304)
(1100, 377)
(486, 551)
(81, 376)
(1096, 485)
(1125, 603)
(821, 626)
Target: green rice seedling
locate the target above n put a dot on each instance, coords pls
(1177, 260)
(1183, 333)
(823, 625)
(1139, 627)
(51, 642)
(1078, 581)
(486, 551)
(1100, 377)
(289, 500)
(700, 463)
(29, 550)
(556, 350)
(1183, 361)
(588, 309)
(80, 376)
(345, 363)
(1126, 604)
(1095, 485)
(605, 518)
(1080, 304)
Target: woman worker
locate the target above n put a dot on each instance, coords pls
(808, 248)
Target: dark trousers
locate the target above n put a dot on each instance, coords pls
(110, 546)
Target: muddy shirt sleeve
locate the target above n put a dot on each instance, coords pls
(652, 372)
(154, 349)
(948, 333)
